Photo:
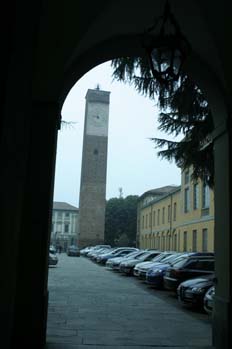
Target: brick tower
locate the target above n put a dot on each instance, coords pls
(93, 172)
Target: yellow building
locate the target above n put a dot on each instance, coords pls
(178, 218)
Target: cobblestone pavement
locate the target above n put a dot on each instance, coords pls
(92, 307)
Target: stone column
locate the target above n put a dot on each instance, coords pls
(28, 152)
(222, 317)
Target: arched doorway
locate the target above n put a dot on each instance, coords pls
(207, 80)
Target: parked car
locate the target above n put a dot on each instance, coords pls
(188, 268)
(93, 256)
(141, 269)
(52, 257)
(118, 252)
(128, 266)
(73, 250)
(208, 302)
(98, 248)
(85, 250)
(191, 292)
(113, 263)
(155, 274)
(52, 249)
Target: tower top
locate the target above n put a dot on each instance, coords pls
(98, 95)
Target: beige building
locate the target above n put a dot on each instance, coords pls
(179, 219)
(64, 224)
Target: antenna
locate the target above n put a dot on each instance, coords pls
(120, 192)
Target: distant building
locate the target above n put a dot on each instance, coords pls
(179, 218)
(64, 224)
(153, 206)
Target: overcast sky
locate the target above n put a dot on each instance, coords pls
(132, 162)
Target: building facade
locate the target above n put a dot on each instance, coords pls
(180, 220)
(64, 228)
(93, 172)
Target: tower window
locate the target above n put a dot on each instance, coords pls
(95, 152)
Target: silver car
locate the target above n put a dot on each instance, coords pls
(52, 258)
(209, 300)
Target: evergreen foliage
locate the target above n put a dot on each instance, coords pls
(183, 110)
(121, 220)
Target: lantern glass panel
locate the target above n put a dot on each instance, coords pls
(161, 58)
(177, 61)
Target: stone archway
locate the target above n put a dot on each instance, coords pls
(214, 91)
(48, 47)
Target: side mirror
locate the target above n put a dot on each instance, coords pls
(215, 280)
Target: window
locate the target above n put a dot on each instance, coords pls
(163, 215)
(67, 214)
(205, 264)
(185, 241)
(146, 220)
(174, 212)
(186, 200)
(192, 264)
(149, 219)
(59, 214)
(163, 243)
(158, 218)
(186, 177)
(154, 217)
(194, 242)
(195, 196)
(205, 196)
(168, 243)
(143, 223)
(169, 213)
(66, 228)
(58, 227)
(175, 242)
(158, 242)
(181, 262)
(204, 240)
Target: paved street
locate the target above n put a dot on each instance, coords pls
(91, 307)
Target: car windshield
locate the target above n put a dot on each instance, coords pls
(160, 257)
(131, 254)
(173, 257)
(143, 255)
(177, 258)
(115, 251)
(179, 262)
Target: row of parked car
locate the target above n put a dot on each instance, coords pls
(53, 259)
(189, 275)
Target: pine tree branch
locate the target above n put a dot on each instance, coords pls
(183, 109)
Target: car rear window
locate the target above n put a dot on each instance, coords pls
(198, 264)
(205, 265)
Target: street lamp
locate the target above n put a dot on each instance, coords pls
(166, 48)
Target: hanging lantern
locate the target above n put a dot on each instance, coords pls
(166, 48)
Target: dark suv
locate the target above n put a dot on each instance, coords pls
(188, 268)
(73, 251)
